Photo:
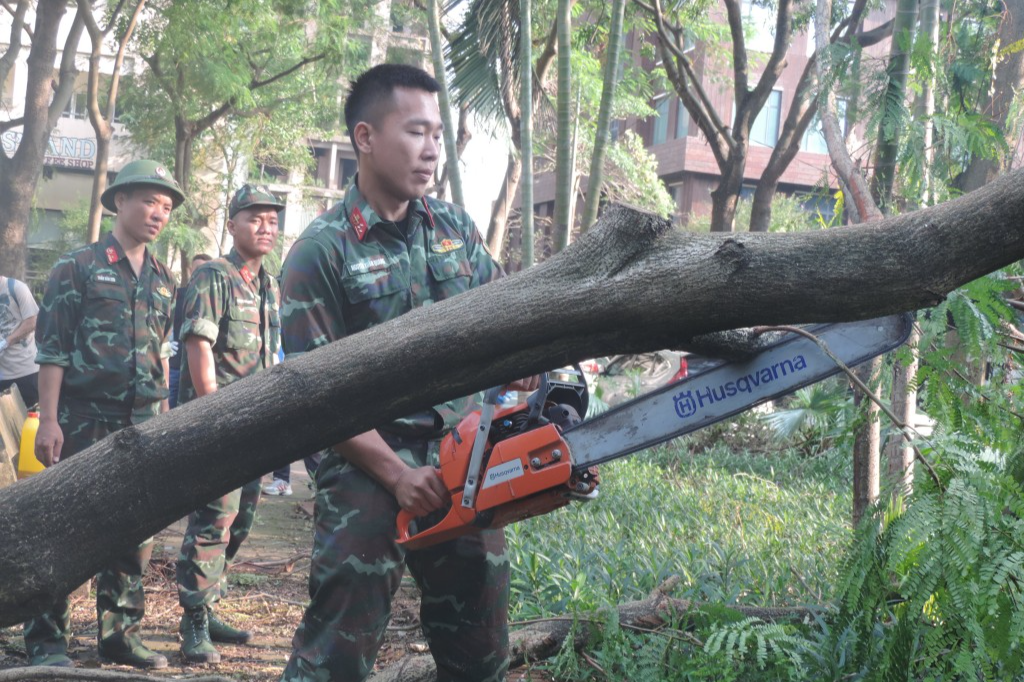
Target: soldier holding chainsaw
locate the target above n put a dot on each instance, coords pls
(381, 252)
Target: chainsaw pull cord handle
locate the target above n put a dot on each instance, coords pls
(476, 459)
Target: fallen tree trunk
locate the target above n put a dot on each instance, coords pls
(48, 674)
(544, 639)
(632, 284)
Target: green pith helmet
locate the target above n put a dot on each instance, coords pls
(253, 195)
(144, 172)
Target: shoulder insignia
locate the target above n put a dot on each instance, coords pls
(446, 245)
(358, 223)
(111, 255)
(430, 216)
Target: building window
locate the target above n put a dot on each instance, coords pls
(661, 121)
(77, 106)
(682, 120)
(814, 137)
(765, 130)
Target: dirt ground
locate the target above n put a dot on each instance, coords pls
(268, 595)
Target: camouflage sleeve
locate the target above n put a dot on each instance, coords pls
(485, 269)
(60, 314)
(206, 303)
(311, 298)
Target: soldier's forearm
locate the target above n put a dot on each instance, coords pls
(201, 366)
(50, 379)
(369, 452)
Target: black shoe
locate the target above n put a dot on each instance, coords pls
(224, 633)
(196, 646)
(131, 652)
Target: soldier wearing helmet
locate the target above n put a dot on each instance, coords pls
(103, 342)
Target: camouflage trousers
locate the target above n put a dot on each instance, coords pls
(357, 568)
(215, 533)
(120, 600)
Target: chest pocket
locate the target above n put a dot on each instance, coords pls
(451, 273)
(243, 328)
(382, 278)
(106, 306)
(161, 311)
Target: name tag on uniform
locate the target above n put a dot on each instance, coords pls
(109, 279)
(368, 265)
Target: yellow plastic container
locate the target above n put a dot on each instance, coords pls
(28, 465)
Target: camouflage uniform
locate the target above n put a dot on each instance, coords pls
(349, 271)
(109, 330)
(237, 312)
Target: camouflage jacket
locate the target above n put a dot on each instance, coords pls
(237, 312)
(108, 329)
(350, 270)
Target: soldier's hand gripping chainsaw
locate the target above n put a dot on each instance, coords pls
(505, 465)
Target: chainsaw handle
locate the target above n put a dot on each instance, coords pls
(404, 520)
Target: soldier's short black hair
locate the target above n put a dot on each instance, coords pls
(371, 93)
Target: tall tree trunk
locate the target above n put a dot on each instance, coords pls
(725, 197)
(102, 121)
(19, 174)
(890, 127)
(866, 444)
(499, 212)
(899, 452)
(925, 107)
(631, 284)
(99, 184)
(1000, 97)
(444, 103)
(604, 116)
(526, 130)
(563, 152)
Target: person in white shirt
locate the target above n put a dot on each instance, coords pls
(18, 311)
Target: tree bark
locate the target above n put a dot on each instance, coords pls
(632, 284)
(900, 454)
(866, 444)
(48, 674)
(1009, 78)
(499, 213)
(20, 173)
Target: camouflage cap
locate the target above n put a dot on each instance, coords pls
(248, 196)
(143, 172)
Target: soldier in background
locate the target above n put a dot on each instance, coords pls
(381, 252)
(231, 330)
(103, 342)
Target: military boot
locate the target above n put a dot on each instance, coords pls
(196, 646)
(224, 633)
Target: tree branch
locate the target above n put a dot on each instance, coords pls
(68, 70)
(631, 284)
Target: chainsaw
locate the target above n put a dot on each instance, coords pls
(505, 465)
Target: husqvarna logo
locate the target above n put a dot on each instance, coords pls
(685, 405)
(688, 402)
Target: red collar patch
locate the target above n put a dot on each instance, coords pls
(358, 223)
(430, 216)
(246, 274)
(112, 255)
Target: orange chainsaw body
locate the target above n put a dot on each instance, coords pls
(525, 475)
